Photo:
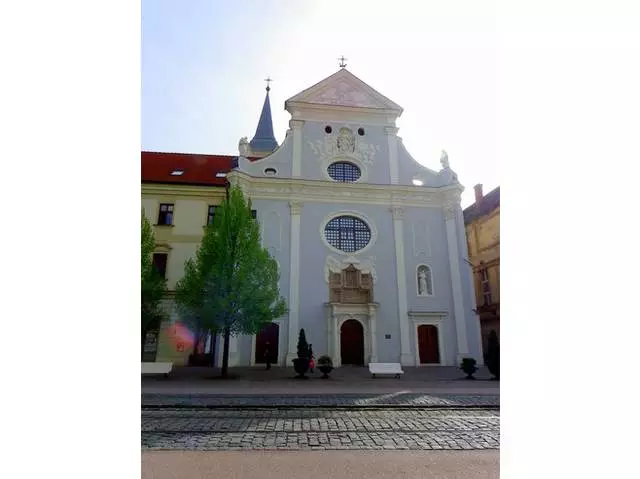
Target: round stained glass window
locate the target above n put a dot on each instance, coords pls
(347, 233)
(344, 172)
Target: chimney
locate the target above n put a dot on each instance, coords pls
(478, 189)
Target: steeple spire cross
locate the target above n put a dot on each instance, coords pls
(342, 60)
(268, 80)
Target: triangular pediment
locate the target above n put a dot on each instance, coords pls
(344, 89)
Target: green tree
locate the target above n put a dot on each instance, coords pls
(231, 286)
(153, 286)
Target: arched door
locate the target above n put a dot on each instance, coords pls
(267, 343)
(352, 343)
(428, 346)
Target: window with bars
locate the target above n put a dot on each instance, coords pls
(344, 172)
(211, 214)
(165, 217)
(486, 289)
(254, 214)
(160, 263)
(347, 233)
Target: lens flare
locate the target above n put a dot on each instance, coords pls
(180, 336)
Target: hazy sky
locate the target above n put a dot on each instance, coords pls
(204, 62)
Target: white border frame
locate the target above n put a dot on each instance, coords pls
(327, 162)
(429, 319)
(252, 360)
(433, 285)
(364, 320)
(360, 216)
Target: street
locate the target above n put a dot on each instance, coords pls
(352, 428)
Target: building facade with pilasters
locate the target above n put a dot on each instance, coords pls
(370, 244)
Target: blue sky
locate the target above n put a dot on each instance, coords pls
(204, 62)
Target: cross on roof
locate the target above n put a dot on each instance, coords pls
(342, 61)
(268, 80)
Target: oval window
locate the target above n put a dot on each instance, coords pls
(347, 233)
(270, 171)
(344, 172)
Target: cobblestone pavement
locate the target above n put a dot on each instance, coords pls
(321, 400)
(300, 429)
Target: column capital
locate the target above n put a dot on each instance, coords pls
(295, 207)
(397, 212)
(296, 124)
(391, 130)
(450, 210)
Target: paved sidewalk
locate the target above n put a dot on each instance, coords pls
(396, 399)
(258, 381)
(321, 465)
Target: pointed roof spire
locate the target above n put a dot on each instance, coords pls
(264, 141)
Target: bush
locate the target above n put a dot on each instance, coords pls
(303, 346)
(468, 365)
(493, 355)
(325, 360)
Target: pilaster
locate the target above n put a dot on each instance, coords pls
(373, 331)
(294, 282)
(450, 211)
(391, 132)
(296, 166)
(406, 357)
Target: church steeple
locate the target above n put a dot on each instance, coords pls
(264, 141)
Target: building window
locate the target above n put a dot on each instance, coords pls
(166, 214)
(254, 214)
(347, 233)
(160, 263)
(344, 172)
(211, 214)
(425, 281)
(486, 289)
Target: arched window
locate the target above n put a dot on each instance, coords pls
(347, 233)
(424, 281)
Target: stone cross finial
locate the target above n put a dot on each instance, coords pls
(268, 80)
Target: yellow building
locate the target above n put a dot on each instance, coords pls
(482, 224)
(187, 187)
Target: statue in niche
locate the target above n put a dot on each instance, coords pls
(424, 282)
(345, 141)
(243, 147)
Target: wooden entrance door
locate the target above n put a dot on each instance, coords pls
(428, 346)
(352, 343)
(267, 340)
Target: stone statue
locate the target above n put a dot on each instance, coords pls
(444, 159)
(345, 141)
(243, 147)
(422, 282)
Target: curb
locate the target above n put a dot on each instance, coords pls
(319, 406)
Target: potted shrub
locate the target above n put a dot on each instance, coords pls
(493, 356)
(468, 365)
(301, 363)
(325, 365)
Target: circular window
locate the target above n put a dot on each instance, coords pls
(361, 131)
(347, 233)
(344, 172)
(270, 171)
(327, 129)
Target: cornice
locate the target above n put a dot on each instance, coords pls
(310, 191)
(183, 190)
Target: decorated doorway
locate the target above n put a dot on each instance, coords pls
(428, 346)
(267, 343)
(352, 343)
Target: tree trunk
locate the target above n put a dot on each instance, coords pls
(214, 347)
(144, 336)
(225, 353)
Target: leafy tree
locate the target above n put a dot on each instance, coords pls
(153, 286)
(231, 286)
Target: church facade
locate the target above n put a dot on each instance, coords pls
(371, 245)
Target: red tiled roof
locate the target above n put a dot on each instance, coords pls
(197, 169)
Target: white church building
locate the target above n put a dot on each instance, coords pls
(371, 244)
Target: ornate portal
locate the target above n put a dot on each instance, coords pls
(351, 286)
